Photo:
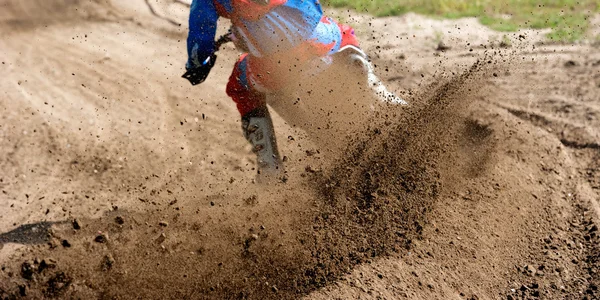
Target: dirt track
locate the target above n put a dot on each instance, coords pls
(487, 187)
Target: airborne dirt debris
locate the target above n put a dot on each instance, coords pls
(486, 187)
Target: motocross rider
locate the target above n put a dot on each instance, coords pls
(277, 37)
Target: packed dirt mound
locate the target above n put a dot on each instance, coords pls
(118, 180)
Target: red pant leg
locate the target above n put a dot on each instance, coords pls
(241, 90)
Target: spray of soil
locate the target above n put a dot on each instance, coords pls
(281, 243)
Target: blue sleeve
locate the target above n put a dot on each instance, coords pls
(203, 28)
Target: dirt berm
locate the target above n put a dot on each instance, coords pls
(120, 181)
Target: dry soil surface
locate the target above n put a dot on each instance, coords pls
(120, 181)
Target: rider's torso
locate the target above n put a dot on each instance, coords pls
(275, 26)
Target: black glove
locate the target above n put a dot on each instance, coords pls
(197, 75)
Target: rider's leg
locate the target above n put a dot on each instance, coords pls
(359, 58)
(257, 125)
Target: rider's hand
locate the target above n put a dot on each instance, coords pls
(196, 74)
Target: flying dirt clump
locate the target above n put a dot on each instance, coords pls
(377, 199)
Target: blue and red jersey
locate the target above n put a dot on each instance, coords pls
(263, 28)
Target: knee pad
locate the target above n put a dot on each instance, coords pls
(348, 36)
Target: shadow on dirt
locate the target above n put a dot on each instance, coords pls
(28, 234)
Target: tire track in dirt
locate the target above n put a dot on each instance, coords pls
(582, 143)
(32, 14)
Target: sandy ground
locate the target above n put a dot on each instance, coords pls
(136, 185)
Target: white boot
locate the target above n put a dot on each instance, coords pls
(258, 130)
(359, 58)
